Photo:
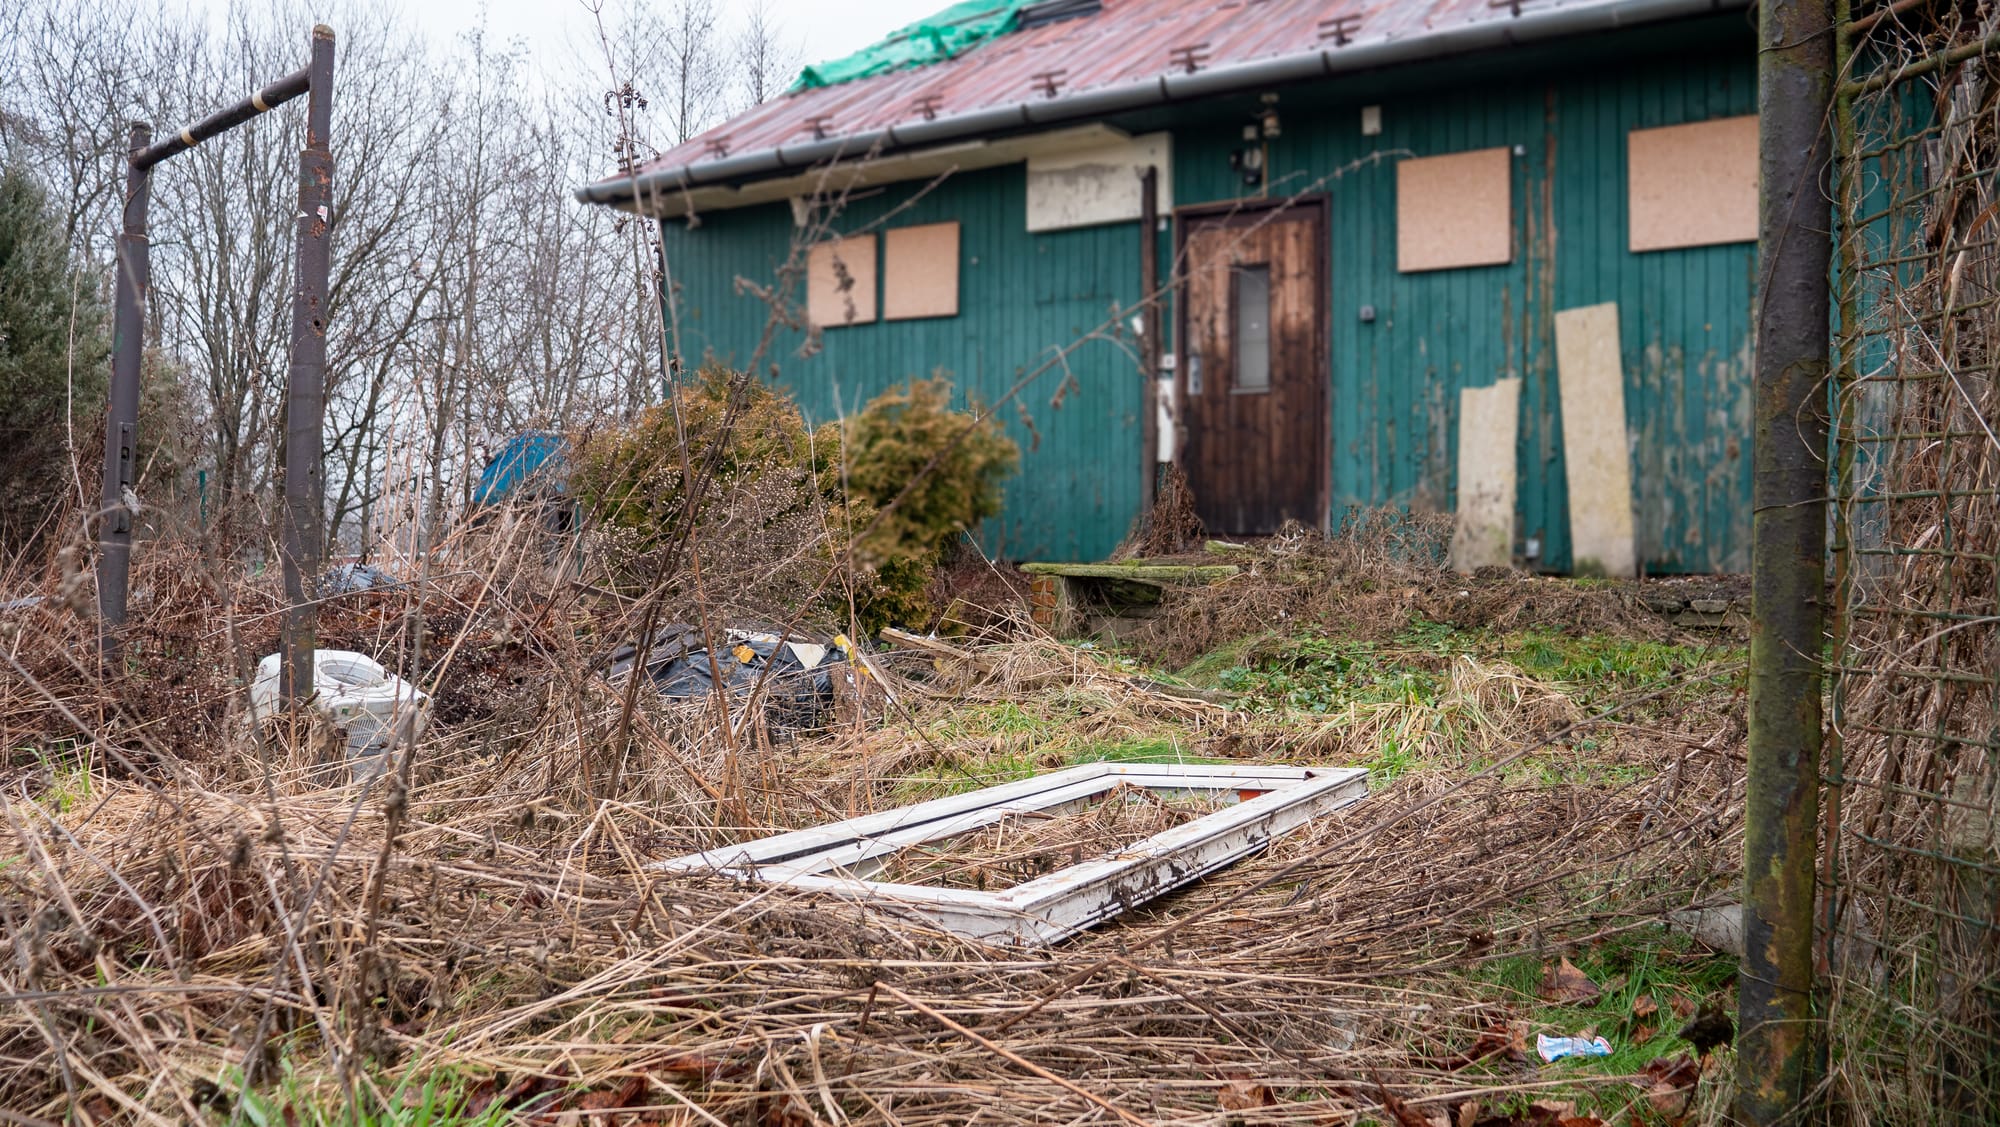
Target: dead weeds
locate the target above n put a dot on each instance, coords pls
(198, 922)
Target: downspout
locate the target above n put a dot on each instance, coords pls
(1149, 343)
(1159, 90)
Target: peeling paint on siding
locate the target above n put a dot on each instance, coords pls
(1685, 315)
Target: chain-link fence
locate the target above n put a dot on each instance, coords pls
(1910, 952)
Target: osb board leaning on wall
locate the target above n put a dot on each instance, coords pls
(1596, 443)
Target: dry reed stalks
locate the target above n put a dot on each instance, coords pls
(1383, 570)
(1915, 812)
(184, 916)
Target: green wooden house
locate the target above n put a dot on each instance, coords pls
(1469, 255)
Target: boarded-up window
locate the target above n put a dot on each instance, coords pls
(1100, 184)
(920, 272)
(840, 282)
(1455, 210)
(1693, 185)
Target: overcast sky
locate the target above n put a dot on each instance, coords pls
(822, 29)
(818, 29)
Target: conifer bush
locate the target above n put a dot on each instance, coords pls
(957, 461)
(880, 496)
(52, 360)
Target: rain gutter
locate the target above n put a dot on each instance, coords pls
(1528, 27)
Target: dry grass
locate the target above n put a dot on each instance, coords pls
(1386, 568)
(190, 904)
(1022, 847)
(1914, 812)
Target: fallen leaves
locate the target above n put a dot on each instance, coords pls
(1642, 1030)
(520, 1094)
(1240, 1091)
(1402, 1113)
(1508, 1041)
(1669, 1084)
(624, 1095)
(1539, 1114)
(1558, 1114)
(552, 1099)
(1244, 1094)
(1566, 984)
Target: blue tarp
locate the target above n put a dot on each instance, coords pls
(946, 35)
(526, 462)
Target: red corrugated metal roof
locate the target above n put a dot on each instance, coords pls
(1127, 40)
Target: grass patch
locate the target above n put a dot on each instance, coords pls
(410, 1100)
(65, 776)
(1012, 766)
(1207, 670)
(1321, 674)
(1598, 667)
(1651, 982)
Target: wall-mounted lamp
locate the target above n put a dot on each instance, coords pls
(1267, 121)
(1249, 161)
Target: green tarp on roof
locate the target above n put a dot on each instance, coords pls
(946, 35)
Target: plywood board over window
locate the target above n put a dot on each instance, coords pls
(920, 272)
(1098, 184)
(1693, 185)
(840, 282)
(1455, 210)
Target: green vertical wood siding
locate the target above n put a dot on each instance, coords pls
(1021, 297)
(1685, 315)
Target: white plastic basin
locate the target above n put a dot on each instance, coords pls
(356, 695)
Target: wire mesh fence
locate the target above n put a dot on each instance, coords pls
(1910, 901)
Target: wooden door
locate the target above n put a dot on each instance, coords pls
(1253, 367)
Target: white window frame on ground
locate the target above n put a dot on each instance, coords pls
(838, 858)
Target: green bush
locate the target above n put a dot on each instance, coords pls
(930, 474)
(632, 477)
(770, 521)
(52, 361)
(788, 503)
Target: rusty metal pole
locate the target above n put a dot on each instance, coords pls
(1149, 348)
(305, 394)
(1795, 78)
(121, 425)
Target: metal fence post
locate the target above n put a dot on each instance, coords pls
(1151, 346)
(305, 395)
(1788, 582)
(121, 426)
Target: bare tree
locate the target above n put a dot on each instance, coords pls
(71, 87)
(472, 296)
(768, 61)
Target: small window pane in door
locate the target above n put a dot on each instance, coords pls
(1252, 299)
